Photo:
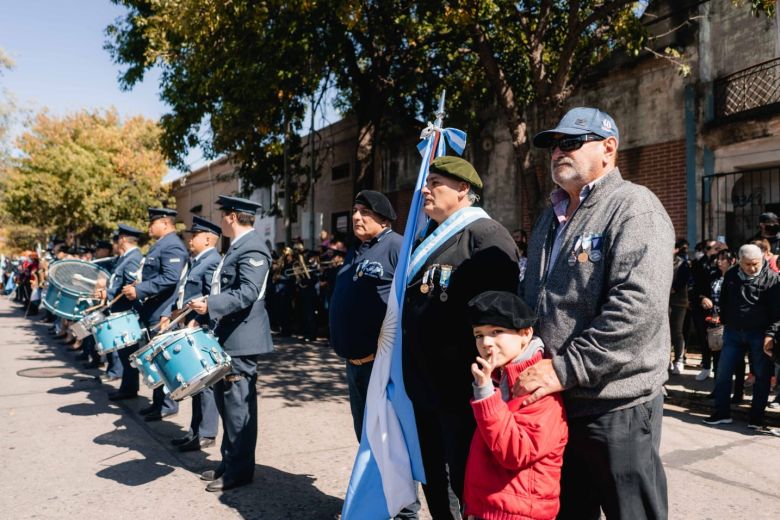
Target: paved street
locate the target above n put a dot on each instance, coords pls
(67, 452)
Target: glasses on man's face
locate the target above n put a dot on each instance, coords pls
(571, 143)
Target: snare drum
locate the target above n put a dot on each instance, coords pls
(189, 360)
(117, 331)
(65, 303)
(142, 360)
(83, 328)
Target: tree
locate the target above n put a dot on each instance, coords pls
(7, 109)
(534, 54)
(84, 173)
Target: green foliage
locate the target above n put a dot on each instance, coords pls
(84, 173)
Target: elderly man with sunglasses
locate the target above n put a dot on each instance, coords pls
(599, 275)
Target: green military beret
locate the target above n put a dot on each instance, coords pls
(457, 168)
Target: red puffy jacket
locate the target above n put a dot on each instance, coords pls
(514, 467)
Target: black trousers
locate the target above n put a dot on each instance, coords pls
(612, 463)
(162, 402)
(130, 381)
(445, 438)
(236, 398)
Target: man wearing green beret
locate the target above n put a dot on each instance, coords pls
(463, 253)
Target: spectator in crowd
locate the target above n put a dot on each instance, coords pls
(678, 302)
(766, 249)
(769, 229)
(748, 311)
(702, 270)
(710, 306)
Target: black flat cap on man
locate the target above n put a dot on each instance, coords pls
(456, 168)
(767, 218)
(502, 309)
(200, 225)
(103, 244)
(130, 231)
(239, 205)
(376, 202)
(155, 213)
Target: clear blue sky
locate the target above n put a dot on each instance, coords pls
(60, 61)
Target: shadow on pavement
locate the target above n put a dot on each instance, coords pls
(298, 372)
(135, 472)
(278, 495)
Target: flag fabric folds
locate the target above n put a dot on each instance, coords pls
(389, 463)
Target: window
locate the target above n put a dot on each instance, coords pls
(340, 172)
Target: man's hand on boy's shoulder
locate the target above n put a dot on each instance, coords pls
(536, 382)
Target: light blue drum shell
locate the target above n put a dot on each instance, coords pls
(66, 304)
(190, 360)
(142, 360)
(117, 331)
(83, 328)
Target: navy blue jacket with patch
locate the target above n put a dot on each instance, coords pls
(125, 271)
(160, 278)
(359, 301)
(242, 327)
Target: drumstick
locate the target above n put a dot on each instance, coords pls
(173, 322)
(103, 304)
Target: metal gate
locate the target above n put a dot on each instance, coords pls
(732, 203)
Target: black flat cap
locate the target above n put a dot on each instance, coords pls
(155, 213)
(767, 217)
(103, 244)
(238, 204)
(200, 225)
(377, 203)
(502, 309)
(130, 231)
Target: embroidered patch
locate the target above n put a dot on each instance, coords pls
(256, 263)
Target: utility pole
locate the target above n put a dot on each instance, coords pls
(287, 187)
(312, 214)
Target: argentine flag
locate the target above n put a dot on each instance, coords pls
(389, 462)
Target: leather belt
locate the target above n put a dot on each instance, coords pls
(362, 361)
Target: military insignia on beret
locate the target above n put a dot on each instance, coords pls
(256, 263)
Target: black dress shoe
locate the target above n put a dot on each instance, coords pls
(105, 378)
(210, 475)
(157, 416)
(221, 485)
(93, 364)
(179, 441)
(148, 409)
(121, 396)
(196, 444)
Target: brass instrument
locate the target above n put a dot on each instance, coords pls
(299, 270)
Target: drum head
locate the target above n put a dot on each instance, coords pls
(77, 276)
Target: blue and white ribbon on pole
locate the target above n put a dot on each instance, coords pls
(389, 463)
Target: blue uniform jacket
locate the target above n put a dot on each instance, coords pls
(359, 301)
(162, 270)
(243, 328)
(125, 271)
(198, 281)
(108, 264)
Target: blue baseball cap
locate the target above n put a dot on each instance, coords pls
(239, 205)
(579, 121)
(200, 225)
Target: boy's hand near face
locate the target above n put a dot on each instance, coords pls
(481, 371)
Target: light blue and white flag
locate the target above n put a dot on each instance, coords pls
(389, 464)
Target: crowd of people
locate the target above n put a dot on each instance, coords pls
(535, 365)
(728, 299)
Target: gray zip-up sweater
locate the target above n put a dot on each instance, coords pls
(605, 321)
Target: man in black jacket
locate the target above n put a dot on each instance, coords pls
(748, 311)
(438, 343)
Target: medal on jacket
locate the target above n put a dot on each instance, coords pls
(444, 281)
(358, 270)
(424, 287)
(586, 242)
(595, 251)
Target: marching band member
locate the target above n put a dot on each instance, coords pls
(104, 261)
(237, 305)
(156, 292)
(127, 265)
(204, 261)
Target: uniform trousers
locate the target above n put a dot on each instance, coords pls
(205, 416)
(445, 439)
(115, 367)
(129, 383)
(163, 403)
(612, 463)
(236, 398)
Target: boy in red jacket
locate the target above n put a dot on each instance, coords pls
(513, 470)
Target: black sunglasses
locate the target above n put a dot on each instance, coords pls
(571, 143)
